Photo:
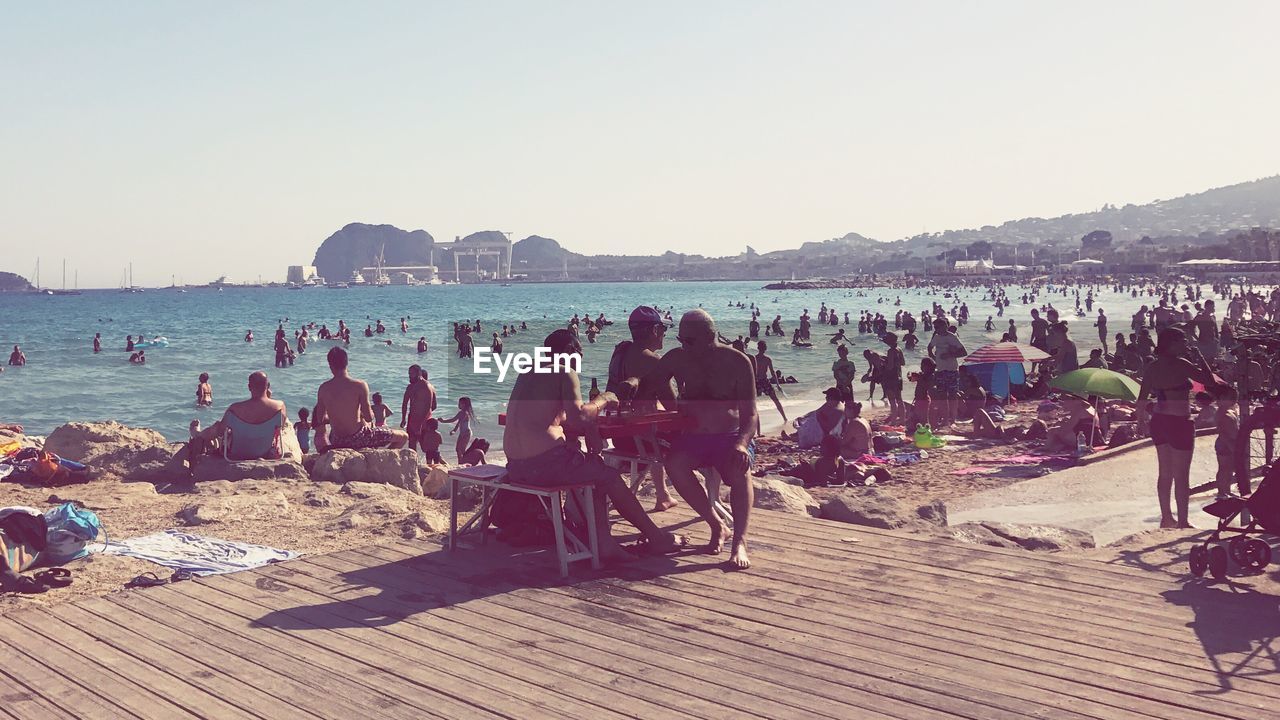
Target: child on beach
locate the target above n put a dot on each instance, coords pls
(462, 429)
(475, 454)
(303, 429)
(1228, 417)
(431, 442)
(380, 411)
(204, 391)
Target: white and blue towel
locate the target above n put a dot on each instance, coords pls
(196, 554)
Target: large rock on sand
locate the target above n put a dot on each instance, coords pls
(221, 508)
(774, 493)
(872, 507)
(212, 468)
(389, 467)
(115, 451)
(1025, 536)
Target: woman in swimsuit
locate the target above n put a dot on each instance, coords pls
(464, 418)
(1168, 378)
(204, 392)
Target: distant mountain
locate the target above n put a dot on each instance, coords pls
(10, 282)
(357, 245)
(1203, 224)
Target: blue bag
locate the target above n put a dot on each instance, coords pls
(70, 530)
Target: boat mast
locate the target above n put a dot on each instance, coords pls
(64, 274)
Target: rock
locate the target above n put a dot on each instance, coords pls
(77, 441)
(391, 467)
(435, 481)
(364, 490)
(322, 499)
(215, 468)
(422, 524)
(774, 493)
(977, 534)
(309, 462)
(1025, 536)
(216, 487)
(868, 506)
(934, 513)
(233, 507)
(289, 447)
(383, 509)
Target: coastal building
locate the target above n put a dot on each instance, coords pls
(302, 274)
(974, 267)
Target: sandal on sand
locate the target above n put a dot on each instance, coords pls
(54, 577)
(146, 580)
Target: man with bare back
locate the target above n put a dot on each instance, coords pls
(717, 389)
(343, 404)
(418, 404)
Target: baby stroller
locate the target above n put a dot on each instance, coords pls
(1249, 553)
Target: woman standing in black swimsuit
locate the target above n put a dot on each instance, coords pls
(1168, 377)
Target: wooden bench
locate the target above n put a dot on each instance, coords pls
(492, 478)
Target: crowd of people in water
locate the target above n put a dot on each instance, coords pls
(1192, 368)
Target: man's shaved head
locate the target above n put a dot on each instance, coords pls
(697, 330)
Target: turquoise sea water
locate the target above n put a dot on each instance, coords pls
(65, 381)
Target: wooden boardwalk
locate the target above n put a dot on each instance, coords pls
(825, 626)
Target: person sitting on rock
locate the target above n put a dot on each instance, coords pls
(241, 419)
(343, 404)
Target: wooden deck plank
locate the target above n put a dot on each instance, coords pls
(936, 683)
(1058, 685)
(357, 667)
(523, 630)
(890, 625)
(276, 694)
(368, 592)
(59, 651)
(269, 652)
(477, 677)
(652, 638)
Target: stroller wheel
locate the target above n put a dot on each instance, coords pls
(1218, 562)
(1199, 560)
(1235, 549)
(1256, 554)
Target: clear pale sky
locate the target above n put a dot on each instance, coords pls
(202, 139)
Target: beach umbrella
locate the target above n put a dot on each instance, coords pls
(1098, 382)
(1006, 352)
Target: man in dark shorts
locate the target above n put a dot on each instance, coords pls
(631, 361)
(891, 377)
(946, 350)
(343, 404)
(717, 391)
(764, 374)
(418, 404)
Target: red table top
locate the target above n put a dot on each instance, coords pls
(629, 423)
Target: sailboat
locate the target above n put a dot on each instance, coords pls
(64, 290)
(131, 288)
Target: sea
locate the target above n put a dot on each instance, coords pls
(205, 328)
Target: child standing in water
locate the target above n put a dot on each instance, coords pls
(464, 418)
(431, 442)
(380, 411)
(303, 429)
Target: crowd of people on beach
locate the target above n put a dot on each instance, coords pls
(1191, 367)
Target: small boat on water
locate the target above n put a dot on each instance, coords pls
(337, 286)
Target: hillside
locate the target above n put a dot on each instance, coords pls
(10, 282)
(1214, 223)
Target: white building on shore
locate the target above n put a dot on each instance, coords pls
(303, 274)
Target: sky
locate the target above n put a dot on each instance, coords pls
(204, 139)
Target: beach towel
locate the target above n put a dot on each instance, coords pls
(1026, 460)
(196, 554)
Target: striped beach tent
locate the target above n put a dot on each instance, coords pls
(1005, 352)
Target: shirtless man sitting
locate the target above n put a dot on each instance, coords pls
(418, 404)
(258, 409)
(717, 390)
(542, 404)
(343, 404)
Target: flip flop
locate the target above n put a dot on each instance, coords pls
(54, 577)
(146, 580)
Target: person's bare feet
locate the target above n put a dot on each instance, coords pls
(738, 558)
(663, 504)
(1168, 523)
(716, 545)
(1185, 525)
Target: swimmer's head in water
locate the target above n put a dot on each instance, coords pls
(258, 384)
(337, 359)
